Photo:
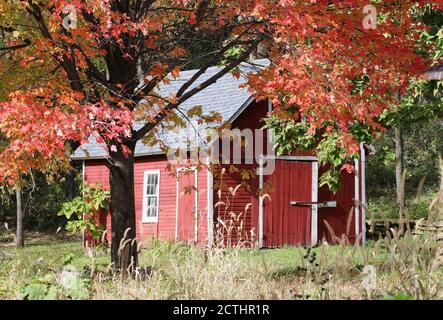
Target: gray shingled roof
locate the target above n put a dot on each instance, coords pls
(435, 73)
(224, 97)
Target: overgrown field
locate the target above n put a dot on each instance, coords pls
(407, 267)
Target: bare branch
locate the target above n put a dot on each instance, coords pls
(171, 106)
(26, 43)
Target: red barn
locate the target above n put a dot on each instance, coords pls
(188, 204)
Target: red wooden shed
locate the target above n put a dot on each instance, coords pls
(285, 207)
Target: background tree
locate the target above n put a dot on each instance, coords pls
(20, 240)
(422, 102)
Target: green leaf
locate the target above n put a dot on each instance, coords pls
(35, 291)
(76, 288)
(52, 293)
(399, 296)
(82, 211)
(68, 258)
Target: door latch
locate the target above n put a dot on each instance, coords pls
(325, 204)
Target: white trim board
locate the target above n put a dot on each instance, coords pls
(210, 204)
(270, 132)
(363, 192)
(84, 181)
(290, 158)
(196, 205)
(260, 203)
(357, 199)
(314, 208)
(241, 109)
(83, 171)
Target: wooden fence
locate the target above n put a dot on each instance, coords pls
(379, 229)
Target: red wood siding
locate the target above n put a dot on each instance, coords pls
(284, 223)
(360, 204)
(186, 205)
(244, 204)
(237, 205)
(337, 217)
(202, 207)
(97, 172)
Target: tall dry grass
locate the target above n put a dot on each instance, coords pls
(231, 229)
(407, 264)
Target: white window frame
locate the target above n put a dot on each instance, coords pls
(145, 218)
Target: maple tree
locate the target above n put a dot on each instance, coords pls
(93, 67)
(87, 72)
(332, 78)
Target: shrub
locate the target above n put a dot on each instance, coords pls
(86, 213)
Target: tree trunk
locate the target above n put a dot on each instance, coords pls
(70, 185)
(20, 241)
(123, 226)
(399, 167)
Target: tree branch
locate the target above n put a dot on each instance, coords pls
(26, 43)
(171, 106)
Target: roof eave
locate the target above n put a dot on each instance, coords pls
(137, 155)
(241, 109)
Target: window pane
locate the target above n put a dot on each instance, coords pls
(151, 206)
(152, 184)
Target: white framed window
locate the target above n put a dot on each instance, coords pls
(151, 196)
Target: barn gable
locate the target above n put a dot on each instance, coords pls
(226, 97)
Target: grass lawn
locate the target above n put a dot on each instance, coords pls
(53, 255)
(188, 272)
(19, 266)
